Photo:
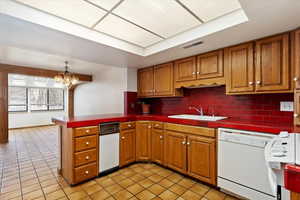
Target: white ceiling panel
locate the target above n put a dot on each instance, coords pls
(77, 11)
(211, 9)
(124, 30)
(166, 18)
(106, 4)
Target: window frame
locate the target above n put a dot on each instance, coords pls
(26, 105)
(48, 103)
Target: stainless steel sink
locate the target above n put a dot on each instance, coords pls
(198, 117)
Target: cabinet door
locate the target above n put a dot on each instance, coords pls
(202, 158)
(145, 82)
(185, 69)
(143, 140)
(163, 80)
(157, 145)
(127, 147)
(210, 65)
(239, 65)
(272, 64)
(297, 108)
(176, 151)
(297, 59)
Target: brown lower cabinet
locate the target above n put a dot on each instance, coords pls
(127, 146)
(157, 144)
(143, 140)
(192, 151)
(295, 196)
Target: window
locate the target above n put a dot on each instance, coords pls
(17, 99)
(35, 99)
(56, 99)
(38, 99)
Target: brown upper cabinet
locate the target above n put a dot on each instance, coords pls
(163, 80)
(146, 82)
(272, 70)
(143, 140)
(210, 65)
(239, 63)
(265, 71)
(296, 58)
(185, 69)
(202, 70)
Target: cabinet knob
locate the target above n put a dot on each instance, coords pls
(87, 143)
(123, 138)
(161, 137)
(250, 83)
(156, 125)
(87, 157)
(258, 82)
(296, 115)
(149, 126)
(129, 125)
(87, 131)
(86, 172)
(193, 73)
(188, 143)
(296, 79)
(198, 72)
(183, 142)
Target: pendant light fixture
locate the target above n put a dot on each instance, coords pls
(66, 78)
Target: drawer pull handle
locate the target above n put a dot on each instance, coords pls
(129, 125)
(258, 83)
(87, 143)
(87, 157)
(86, 172)
(87, 131)
(156, 125)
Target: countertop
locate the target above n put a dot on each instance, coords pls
(94, 120)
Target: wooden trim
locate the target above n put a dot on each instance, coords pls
(38, 72)
(70, 108)
(38, 126)
(3, 107)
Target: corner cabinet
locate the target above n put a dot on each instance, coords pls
(157, 81)
(200, 71)
(127, 143)
(260, 67)
(143, 140)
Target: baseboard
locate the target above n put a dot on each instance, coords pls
(38, 126)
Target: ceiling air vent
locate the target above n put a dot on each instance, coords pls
(193, 44)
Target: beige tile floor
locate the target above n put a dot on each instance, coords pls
(28, 171)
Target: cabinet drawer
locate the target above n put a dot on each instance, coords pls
(85, 172)
(85, 157)
(91, 130)
(194, 130)
(84, 143)
(127, 125)
(159, 125)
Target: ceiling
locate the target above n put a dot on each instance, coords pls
(120, 34)
(139, 22)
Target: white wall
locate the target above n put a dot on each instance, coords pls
(103, 95)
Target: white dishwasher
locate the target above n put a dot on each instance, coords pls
(242, 169)
(109, 139)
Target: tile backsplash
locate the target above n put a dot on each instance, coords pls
(258, 107)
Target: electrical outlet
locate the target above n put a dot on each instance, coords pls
(287, 106)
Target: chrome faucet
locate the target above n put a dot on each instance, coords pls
(199, 110)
